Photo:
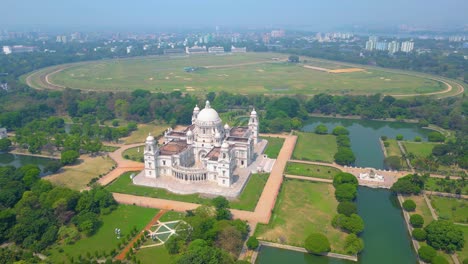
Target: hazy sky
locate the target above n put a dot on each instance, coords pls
(324, 14)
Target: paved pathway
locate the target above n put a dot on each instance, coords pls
(129, 246)
(122, 165)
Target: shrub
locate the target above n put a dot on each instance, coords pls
(416, 220)
(321, 129)
(340, 130)
(353, 244)
(399, 137)
(417, 139)
(317, 243)
(409, 205)
(383, 138)
(346, 192)
(427, 253)
(419, 234)
(347, 208)
(352, 224)
(386, 144)
(252, 242)
(344, 156)
(69, 157)
(344, 177)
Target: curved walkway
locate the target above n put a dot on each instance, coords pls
(123, 165)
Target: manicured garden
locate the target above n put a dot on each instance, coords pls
(315, 147)
(311, 170)
(125, 217)
(246, 201)
(303, 208)
(274, 146)
(452, 209)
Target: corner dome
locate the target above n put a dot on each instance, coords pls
(150, 137)
(208, 115)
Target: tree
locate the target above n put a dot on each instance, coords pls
(230, 239)
(344, 156)
(317, 243)
(445, 235)
(419, 234)
(346, 192)
(416, 220)
(353, 224)
(220, 202)
(344, 177)
(399, 137)
(293, 59)
(409, 205)
(409, 184)
(347, 208)
(427, 253)
(5, 144)
(252, 242)
(340, 130)
(353, 244)
(321, 129)
(69, 157)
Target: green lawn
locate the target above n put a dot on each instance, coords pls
(246, 201)
(311, 170)
(274, 146)
(124, 217)
(253, 73)
(303, 207)
(393, 149)
(157, 255)
(420, 149)
(314, 147)
(135, 153)
(452, 209)
(171, 216)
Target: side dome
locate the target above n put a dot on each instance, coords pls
(208, 115)
(150, 137)
(189, 133)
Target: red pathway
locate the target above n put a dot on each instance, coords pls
(121, 255)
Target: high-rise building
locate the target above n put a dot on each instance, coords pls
(371, 44)
(407, 46)
(393, 47)
(381, 45)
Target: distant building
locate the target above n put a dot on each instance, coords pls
(18, 49)
(393, 47)
(277, 33)
(407, 46)
(381, 45)
(215, 50)
(174, 51)
(238, 50)
(196, 50)
(129, 49)
(371, 44)
(3, 133)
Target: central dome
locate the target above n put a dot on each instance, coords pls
(208, 115)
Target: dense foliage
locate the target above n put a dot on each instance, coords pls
(353, 244)
(347, 208)
(445, 235)
(352, 224)
(427, 253)
(317, 243)
(409, 184)
(419, 234)
(416, 220)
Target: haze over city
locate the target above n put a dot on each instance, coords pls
(146, 14)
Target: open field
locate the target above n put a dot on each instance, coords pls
(78, 176)
(142, 132)
(311, 170)
(274, 146)
(314, 147)
(420, 149)
(302, 208)
(254, 73)
(452, 209)
(124, 217)
(247, 200)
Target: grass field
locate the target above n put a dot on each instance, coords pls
(311, 170)
(393, 149)
(135, 153)
(244, 73)
(274, 146)
(247, 200)
(452, 209)
(142, 132)
(311, 146)
(124, 217)
(420, 149)
(157, 254)
(302, 208)
(78, 176)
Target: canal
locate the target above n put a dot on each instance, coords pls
(385, 236)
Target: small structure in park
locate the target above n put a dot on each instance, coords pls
(371, 176)
(3, 133)
(206, 157)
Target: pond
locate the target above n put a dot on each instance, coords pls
(8, 159)
(385, 236)
(365, 134)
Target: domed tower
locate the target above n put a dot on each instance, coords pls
(196, 110)
(150, 156)
(217, 139)
(253, 125)
(190, 137)
(206, 125)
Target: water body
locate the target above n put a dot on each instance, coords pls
(365, 134)
(385, 236)
(7, 159)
